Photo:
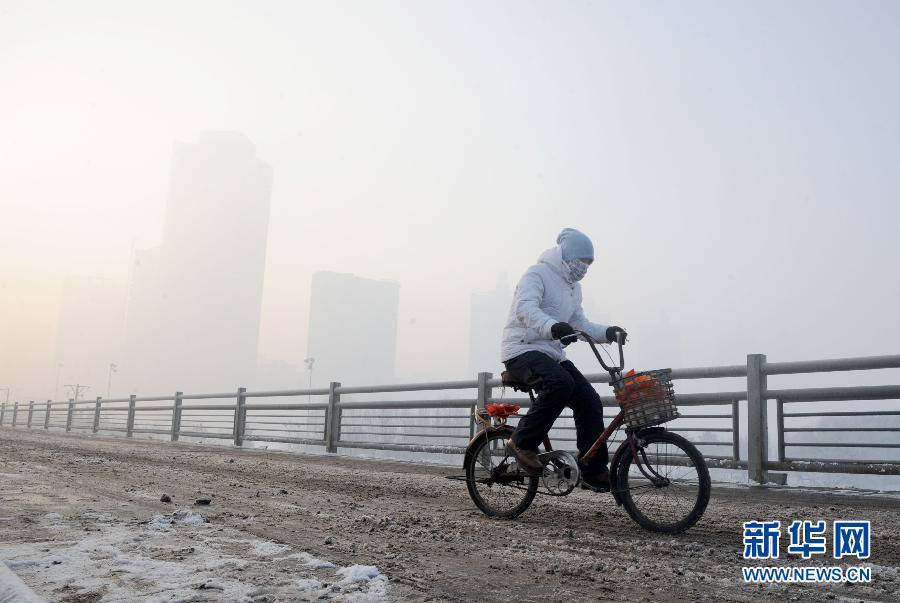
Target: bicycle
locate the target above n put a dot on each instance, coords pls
(658, 476)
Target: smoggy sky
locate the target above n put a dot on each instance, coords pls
(735, 163)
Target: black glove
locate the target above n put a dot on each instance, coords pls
(611, 334)
(563, 329)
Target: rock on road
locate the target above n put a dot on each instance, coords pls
(81, 520)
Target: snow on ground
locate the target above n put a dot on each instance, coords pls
(177, 557)
(289, 527)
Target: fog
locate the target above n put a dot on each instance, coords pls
(735, 165)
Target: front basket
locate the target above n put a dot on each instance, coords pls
(647, 398)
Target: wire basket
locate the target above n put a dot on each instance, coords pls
(647, 398)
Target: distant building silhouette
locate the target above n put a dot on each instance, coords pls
(352, 328)
(489, 312)
(89, 332)
(194, 305)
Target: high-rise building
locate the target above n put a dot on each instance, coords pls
(89, 332)
(194, 306)
(352, 329)
(489, 312)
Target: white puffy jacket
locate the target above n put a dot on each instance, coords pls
(544, 297)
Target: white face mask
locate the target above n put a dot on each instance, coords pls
(576, 268)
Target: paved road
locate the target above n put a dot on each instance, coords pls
(81, 520)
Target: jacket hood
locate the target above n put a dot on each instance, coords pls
(553, 258)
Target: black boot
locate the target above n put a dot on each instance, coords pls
(598, 482)
(527, 459)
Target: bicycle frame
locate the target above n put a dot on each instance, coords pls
(615, 373)
(639, 455)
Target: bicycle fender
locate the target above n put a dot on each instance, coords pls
(617, 458)
(648, 430)
(614, 472)
(483, 433)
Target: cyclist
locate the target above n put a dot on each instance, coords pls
(544, 315)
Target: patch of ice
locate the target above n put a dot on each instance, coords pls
(308, 584)
(309, 561)
(119, 563)
(160, 522)
(267, 548)
(194, 519)
(358, 573)
(164, 522)
(366, 576)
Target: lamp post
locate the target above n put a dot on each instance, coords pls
(77, 389)
(309, 366)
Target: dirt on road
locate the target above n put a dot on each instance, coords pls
(81, 520)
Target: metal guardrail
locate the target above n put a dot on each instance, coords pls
(333, 424)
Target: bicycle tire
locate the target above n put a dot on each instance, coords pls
(637, 507)
(477, 471)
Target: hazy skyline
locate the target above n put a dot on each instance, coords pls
(195, 300)
(488, 309)
(352, 329)
(735, 165)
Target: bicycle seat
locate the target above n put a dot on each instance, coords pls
(508, 380)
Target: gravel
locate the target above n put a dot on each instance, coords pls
(289, 526)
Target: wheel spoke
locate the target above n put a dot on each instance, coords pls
(665, 507)
(494, 493)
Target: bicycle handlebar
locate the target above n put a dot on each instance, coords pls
(619, 340)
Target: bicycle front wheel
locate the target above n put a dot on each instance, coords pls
(668, 490)
(496, 485)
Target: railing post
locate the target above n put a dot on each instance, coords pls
(2, 412)
(96, 426)
(484, 394)
(47, 414)
(736, 430)
(30, 412)
(757, 419)
(69, 414)
(779, 404)
(15, 413)
(333, 418)
(240, 408)
(176, 416)
(129, 426)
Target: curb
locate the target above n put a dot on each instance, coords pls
(13, 590)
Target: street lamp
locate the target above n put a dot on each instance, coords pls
(309, 366)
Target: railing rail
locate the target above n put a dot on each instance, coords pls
(335, 422)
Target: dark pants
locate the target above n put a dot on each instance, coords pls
(559, 384)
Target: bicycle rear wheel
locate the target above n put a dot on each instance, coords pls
(495, 483)
(671, 493)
